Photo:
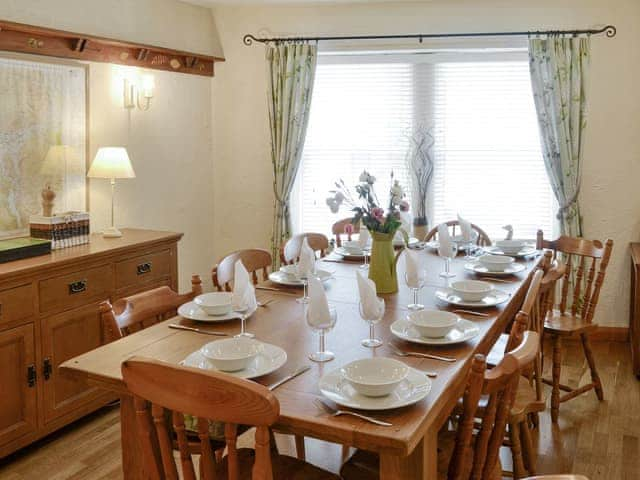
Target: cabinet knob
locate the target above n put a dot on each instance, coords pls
(144, 268)
(31, 375)
(77, 287)
(47, 369)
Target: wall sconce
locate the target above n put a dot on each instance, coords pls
(138, 93)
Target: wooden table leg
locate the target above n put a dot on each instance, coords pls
(131, 453)
(421, 464)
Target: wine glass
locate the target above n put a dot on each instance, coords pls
(467, 250)
(322, 355)
(372, 341)
(304, 299)
(448, 254)
(416, 284)
(365, 257)
(244, 314)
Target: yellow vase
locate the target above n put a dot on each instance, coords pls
(382, 269)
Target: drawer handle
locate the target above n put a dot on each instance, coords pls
(31, 376)
(144, 268)
(77, 287)
(46, 369)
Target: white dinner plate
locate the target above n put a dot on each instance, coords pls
(192, 311)
(482, 270)
(269, 360)
(463, 331)
(525, 252)
(413, 241)
(291, 281)
(344, 253)
(495, 297)
(411, 390)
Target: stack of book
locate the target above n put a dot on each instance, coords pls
(64, 230)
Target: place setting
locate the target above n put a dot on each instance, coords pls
(493, 265)
(512, 248)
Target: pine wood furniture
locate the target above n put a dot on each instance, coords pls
(408, 450)
(634, 308)
(482, 240)
(291, 249)
(338, 229)
(581, 288)
(160, 389)
(49, 313)
(254, 260)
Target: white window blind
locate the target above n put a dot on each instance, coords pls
(488, 164)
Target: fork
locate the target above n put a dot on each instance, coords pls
(471, 312)
(334, 412)
(265, 303)
(402, 353)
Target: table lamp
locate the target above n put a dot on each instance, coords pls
(55, 162)
(111, 163)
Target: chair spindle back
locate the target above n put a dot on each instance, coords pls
(254, 260)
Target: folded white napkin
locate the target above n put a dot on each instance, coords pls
(414, 268)
(406, 219)
(364, 237)
(306, 261)
(318, 314)
(244, 295)
(465, 229)
(445, 244)
(372, 306)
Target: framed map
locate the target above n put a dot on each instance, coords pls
(43, 129)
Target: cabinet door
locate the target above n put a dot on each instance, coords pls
(18, 412)
(64, 336)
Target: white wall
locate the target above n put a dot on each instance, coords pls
(170, 144)
(610, 204)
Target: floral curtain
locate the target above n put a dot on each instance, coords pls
(291, 68)
(559, 72)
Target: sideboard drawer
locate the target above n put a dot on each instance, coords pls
(143, 269)
(16, 303)
(75, 289)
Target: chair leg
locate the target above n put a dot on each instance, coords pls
(346, 450)
(595, 378)
(300, 450)
(528, 452)
(555, 390)
(516, 450)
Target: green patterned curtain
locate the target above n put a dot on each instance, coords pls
(291, 67)
(559, 72)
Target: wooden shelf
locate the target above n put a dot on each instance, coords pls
(18, 37)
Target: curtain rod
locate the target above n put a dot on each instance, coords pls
(609, 31)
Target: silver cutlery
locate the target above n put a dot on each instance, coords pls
(429, 373)
(298, 371)
(197, 330)
(402, 353)
(471, 312)
(264, 304)
(334, 412)
(499, 280)
(273, 289)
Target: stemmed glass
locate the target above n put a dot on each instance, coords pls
(322, 355)
(244, 314)
(372, 341)
(467, 250)
(448, 254)
(365, 257)
(416, 284)
(304, 299)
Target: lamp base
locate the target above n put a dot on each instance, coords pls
(111, 232)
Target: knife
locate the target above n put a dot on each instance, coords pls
(197, 330)
(297, 372)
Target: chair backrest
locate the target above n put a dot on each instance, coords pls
(522, 320)
(477, 458)
(579, 254)
(338, 229)
(253, 259)
(133, 313)
(482, 238)
(207, 395)
(291, 249)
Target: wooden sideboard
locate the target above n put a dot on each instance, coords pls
(49, 313)
(634, 309)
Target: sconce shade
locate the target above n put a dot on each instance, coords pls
(57, 158)
(111, 162)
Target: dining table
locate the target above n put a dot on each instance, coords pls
(408, 448)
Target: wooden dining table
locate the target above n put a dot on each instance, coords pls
(408, 449)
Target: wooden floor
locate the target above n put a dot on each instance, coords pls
(599, 440)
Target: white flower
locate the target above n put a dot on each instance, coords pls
(334, 206)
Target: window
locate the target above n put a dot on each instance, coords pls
(488, 163)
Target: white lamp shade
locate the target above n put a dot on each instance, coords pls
(111, 162)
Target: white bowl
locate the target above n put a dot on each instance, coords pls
(214, 303)
(471, 290)
(352, 247)
(232, 354)
(511, 247)
(289, 269)
(375, 377)
(495, 263)
(433, 323)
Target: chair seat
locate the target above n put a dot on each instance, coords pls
(497, 351)
(567, 324)
(366, 465)
(284, 467)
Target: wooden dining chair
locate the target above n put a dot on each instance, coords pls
(557, 477)
(338, 229)
(470, 452)
(160, 388)
(255, 260)
(586, 265)
(133, 313)
(291, 249)
(482, 239)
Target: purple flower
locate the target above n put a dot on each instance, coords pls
(378, 213)
(404, 206)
